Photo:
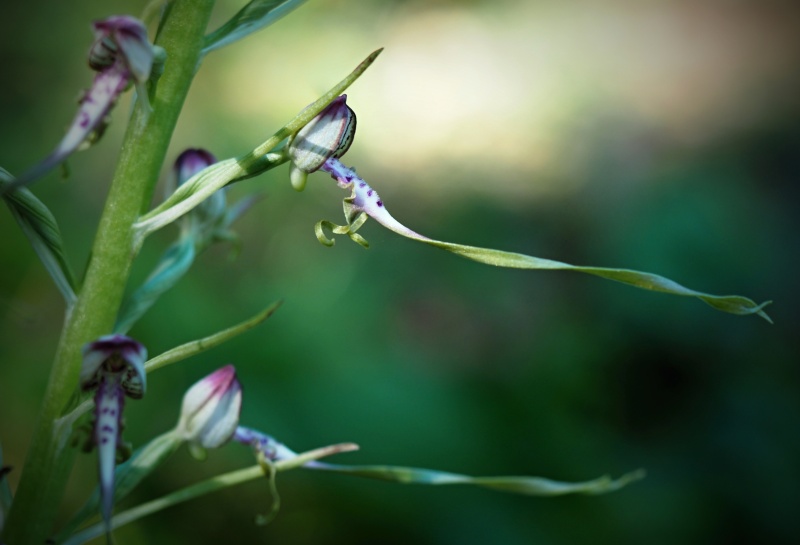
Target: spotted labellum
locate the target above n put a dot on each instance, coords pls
(122, 55)
(113, 366)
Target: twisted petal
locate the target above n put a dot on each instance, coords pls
(364, 199)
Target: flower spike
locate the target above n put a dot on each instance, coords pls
(113, 366)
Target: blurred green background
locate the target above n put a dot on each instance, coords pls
(661, 136)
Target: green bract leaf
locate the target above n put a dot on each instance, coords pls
(530, 486)
(127, 476)
(175, 263)
(211, 485)
(200, 345)
(254, 16)
(39, 225)
(203, 184)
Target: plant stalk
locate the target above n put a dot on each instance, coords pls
(49, 459)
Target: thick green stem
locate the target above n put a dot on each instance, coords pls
(49, 459)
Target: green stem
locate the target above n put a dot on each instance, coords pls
(48, 462)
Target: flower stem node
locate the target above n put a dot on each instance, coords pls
(210, 410)
(327, 135)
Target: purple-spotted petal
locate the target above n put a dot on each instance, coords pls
(89, 123)
(109, 401)
(365, 199)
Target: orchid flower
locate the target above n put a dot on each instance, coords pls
(320, 144)
(121, 54)
(113, 366)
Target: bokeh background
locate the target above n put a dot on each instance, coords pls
(661, 136)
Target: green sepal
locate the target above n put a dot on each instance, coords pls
(257, 14)
(529, 486)
(40, 227)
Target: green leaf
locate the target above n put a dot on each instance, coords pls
(256, 15)
(530, 486)
(39, 225)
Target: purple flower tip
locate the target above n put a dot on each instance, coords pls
(116, 355)
(122, 38)
(190, 162)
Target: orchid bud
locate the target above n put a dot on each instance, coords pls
(210, 410)
(189, 163)
(113, 365)
(327, 135)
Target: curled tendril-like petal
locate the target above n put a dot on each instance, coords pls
(270, 471)
(349, 229)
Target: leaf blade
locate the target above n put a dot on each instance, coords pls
(253, 17)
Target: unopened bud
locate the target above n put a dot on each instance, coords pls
(210, 410)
